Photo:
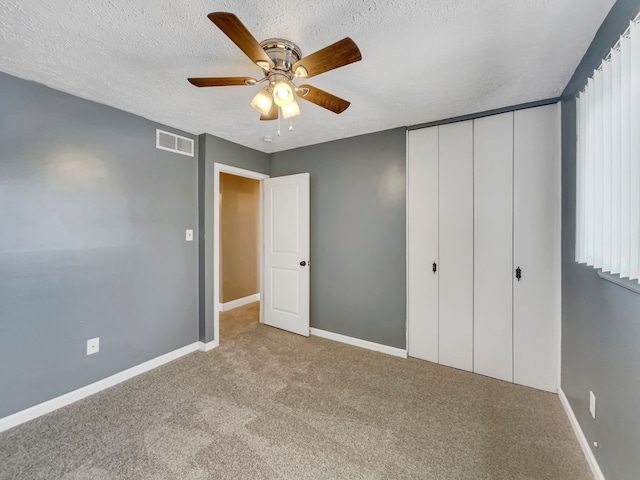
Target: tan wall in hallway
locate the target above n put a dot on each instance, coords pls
(239, 237)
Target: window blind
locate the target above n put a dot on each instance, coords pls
(608, 162)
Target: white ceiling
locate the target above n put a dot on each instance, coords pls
(423, 60)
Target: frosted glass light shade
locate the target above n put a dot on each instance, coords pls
(282, 94)
(262, 102)
(291, 110)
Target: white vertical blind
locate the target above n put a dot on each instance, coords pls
(634, 235)
(608, 162)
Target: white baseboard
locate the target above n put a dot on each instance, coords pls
(582, 440)
(205, 347)
(356, 342)
(30, 413)
(240, 302)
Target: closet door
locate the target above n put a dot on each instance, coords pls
(536, 296)
(493, 246)
(422, 215)
(455, 227)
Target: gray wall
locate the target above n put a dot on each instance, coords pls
(92, 225)
(216, 150)
(600, 320)
(357, 233)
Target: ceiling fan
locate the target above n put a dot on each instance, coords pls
(281, 61)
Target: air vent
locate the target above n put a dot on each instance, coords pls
(174, 143)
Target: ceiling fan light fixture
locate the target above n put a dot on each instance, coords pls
(291, 110)
(282, 94)
(262, 102)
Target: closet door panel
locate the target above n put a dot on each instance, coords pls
(493, 246)
(455, 216)
(536, 317)
(422, 214)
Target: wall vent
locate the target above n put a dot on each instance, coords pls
(174, 143)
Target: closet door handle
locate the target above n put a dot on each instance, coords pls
(518, 273)
(434, 267)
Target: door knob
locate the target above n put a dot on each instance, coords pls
(303, 263)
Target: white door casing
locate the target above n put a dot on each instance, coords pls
(218, 169)
(286, 253)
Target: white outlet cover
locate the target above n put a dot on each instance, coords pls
(592, 404)
(93, 345)
(189, 235)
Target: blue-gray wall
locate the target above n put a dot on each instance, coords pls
(216, 150)
(358, 226)
(600, 320)
(92, 243)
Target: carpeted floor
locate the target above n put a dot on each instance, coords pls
(274, 405)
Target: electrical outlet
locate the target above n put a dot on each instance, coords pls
(189, 235)
(93, 345)
(592, 404)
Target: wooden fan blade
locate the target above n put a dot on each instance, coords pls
(273, 113)
(233, 28)
(220, 81)
(336, 55)
(324, 99)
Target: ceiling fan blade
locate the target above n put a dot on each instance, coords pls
(336, 55)
(233, 28)
(323, 99)
(221, 81)
(273, 113)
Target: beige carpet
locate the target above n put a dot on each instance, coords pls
(270, 404)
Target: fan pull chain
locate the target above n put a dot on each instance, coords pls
(278, 121)
(291, 124)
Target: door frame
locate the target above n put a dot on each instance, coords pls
(219, 168)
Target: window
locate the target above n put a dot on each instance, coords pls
(608, 162)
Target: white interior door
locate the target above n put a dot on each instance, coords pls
(422, 217)
(286, 253)
(456, 245)
(536, 296)
(493, 246)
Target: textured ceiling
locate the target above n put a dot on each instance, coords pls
(423, 60)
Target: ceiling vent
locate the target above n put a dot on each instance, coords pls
(174, 143)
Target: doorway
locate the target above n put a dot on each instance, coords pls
(234, 288)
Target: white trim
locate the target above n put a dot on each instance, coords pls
(205, 347)
(219, 168)
(356, 342)
(623, 282)
(239, 302)
(582, 440)
(559, 246)
(261, 252)
(43, 408)
(407, 232)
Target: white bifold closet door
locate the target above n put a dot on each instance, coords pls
(422, 214)
(536, 233)
(493, 246)
(455, 230)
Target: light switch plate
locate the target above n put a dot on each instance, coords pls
(93, 345)
(592, 404)
(189, 235)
